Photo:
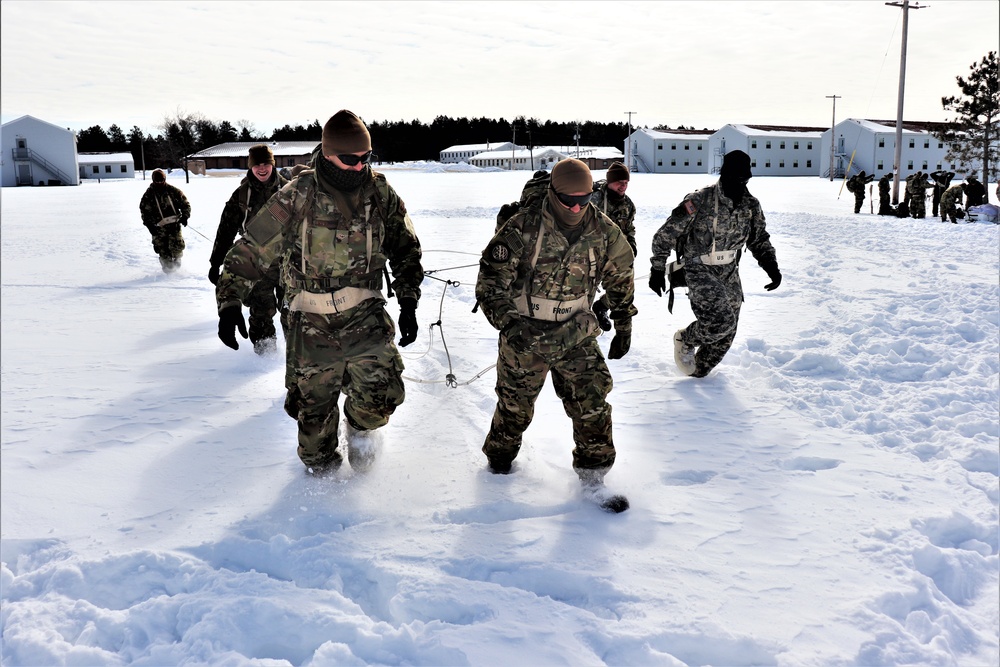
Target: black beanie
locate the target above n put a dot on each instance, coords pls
(345, 133)
(159, 176)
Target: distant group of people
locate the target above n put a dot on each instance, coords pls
(320, 248)
(945, 198)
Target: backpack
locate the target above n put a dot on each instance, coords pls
(533, 190)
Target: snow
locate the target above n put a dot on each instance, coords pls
(827, 496)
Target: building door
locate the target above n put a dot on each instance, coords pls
(24, 174)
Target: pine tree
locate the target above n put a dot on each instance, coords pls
(972, 135)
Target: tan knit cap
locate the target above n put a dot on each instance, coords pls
(345, 133)
(571, 175)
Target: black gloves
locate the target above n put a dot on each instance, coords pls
(231, 319)
(658, 281)
(620, 344)
(213, 275)
(520, 335)
(771, 268)
(601, 310)
(407, 320)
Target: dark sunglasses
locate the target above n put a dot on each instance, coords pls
(574, 200)
(350, 159)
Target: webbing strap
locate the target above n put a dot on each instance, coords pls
(332, 303)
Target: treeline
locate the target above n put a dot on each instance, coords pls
(392, 141)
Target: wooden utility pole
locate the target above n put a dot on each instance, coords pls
(897, 159)
(628, 143)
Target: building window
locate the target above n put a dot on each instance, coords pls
(782, 145)
(909, 165)
(124, 169)
(686, 163)
(927, 143)
(753, 144)
(795, 145)
(809, 146)
(767, 164)
(767, 145)
(925, 164)
(236, 164)
(699, 146)
(659, 163)
(880, 167)
(107, 169)
(753, 164)
(809, 163)
(940, 145)
(97, 169)
(687, 147)
(673, 163)
(673, 147)
(659, 147)
(881, 142)
(699, 163)
(939, 166)
(912, 143)
(795, 164)
(781, 164)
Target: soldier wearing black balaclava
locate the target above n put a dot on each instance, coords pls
(708, 230)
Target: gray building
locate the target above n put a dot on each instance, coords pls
(36, 152)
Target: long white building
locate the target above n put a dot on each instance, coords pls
(668, 151)
(465, 152)
(774, 150)
(97, 166)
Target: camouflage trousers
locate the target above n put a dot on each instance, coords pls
(352, 354)
(948, 210)
(263, 302)
(859, 199)
(580, 378)
(716, 296)
(918, 206)
(168, 242)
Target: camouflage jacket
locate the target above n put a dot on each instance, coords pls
(321, 249)
(562, 271)
(953, 196)
(691, 229)
(163, 200)
(621, 213)
(244, 203)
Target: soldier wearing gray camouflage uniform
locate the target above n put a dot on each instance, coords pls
(259, 184)
(610, 199)
(950, 201)
(164, 210)
(537, 279)
(334, 229)
(708, 230)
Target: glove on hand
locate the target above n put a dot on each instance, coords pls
(771, 268)
(520, 336)
(184, 221)
(407, 320)
(601, 312)
(620, 344)
(213, 275)
(231, 319)
(658, 281)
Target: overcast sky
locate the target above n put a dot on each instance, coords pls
(702, 64)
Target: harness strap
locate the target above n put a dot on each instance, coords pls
(332, 303)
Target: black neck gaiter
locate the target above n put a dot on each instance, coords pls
(333, 178)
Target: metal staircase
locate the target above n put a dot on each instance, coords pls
(27, 156)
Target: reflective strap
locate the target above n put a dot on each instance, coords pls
(551, 310)
(169, 220)
(331, 304)
(719, 257)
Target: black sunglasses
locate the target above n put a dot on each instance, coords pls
(574, 200)
(350, 159)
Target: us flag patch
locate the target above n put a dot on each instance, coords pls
(279, 212)
(689, 207)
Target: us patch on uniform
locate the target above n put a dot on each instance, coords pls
(498, 252)
(689, 207)
(279, 212)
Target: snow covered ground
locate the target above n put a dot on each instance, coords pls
(827, 496)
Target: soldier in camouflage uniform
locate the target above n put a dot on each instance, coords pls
(884, 201)
(537, 279)
(942, 181)
(708, 231)
(333, 229)
(164, 210)
(950, 201)
(610, 199)
(259, 184)
(856, 184)
(917, 189)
